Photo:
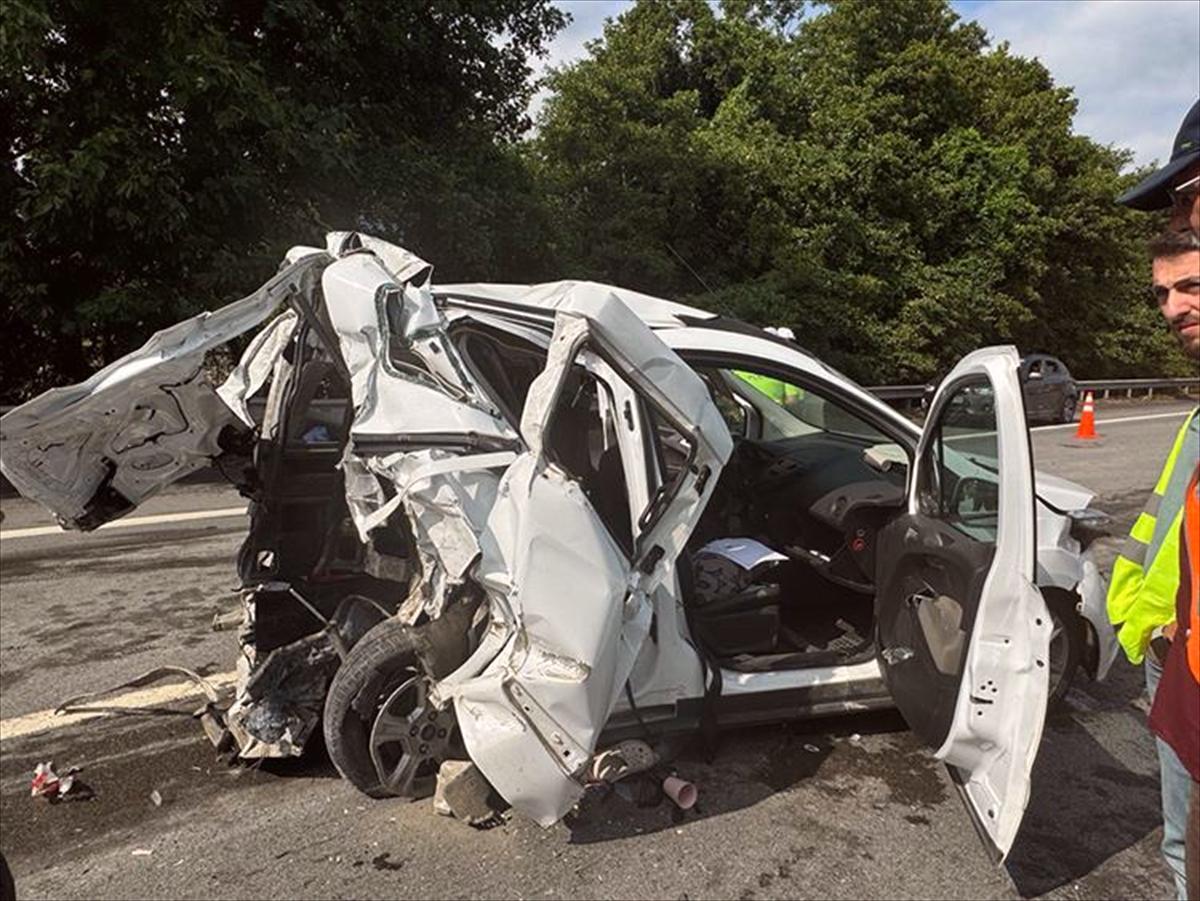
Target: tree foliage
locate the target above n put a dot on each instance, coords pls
(163, 156)
(873, 175)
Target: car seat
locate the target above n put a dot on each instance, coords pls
(733, 610)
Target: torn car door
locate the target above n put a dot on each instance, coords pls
(92, 452)
(964, 633)
(574, 547)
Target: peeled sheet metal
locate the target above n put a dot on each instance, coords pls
(569, 610)
(416, 413)
(404, 265)
(447, 498)
(393, 400)
(91, 452)
(256, 365)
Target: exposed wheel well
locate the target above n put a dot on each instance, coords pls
(1091, 652)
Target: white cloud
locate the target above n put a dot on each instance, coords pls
(587, 23)
(1134, 64)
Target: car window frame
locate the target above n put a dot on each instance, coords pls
(701, 359)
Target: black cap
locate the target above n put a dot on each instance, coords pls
(1153, 192)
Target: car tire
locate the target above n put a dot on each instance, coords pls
(1067, 645)
(375, 670)
(1066, 412)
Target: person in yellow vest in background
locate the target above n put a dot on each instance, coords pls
(1147, 574)
(783, 393)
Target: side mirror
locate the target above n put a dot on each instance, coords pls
(973, 497)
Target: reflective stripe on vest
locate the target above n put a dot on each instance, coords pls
(1145, 576)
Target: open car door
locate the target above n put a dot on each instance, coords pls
(963, 631)
(585, 527)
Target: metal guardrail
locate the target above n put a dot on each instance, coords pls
(1105, 387)
(1148, 385)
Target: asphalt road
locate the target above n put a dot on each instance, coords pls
(851, 807)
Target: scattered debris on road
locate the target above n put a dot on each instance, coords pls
(464, 793)
(624, 759)
(83, 703)
(682, 792)
(54, 788)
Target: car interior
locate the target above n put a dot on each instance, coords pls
(301, 537)
(800, 496)
(800, 487)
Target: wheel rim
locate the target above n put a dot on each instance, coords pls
(1069, 409)
(410, 738)
(1059, 653)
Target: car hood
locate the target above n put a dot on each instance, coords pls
(1062, 493)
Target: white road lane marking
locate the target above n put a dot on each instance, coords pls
(1100, 422)
(155, 696)
(131, 522)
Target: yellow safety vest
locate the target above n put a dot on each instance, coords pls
(1141, 595)
(778, 390)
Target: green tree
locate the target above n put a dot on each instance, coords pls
(872, 174)
(161, 156)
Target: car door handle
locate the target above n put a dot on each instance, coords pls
(914, 599)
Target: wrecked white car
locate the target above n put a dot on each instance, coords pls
(512, 523)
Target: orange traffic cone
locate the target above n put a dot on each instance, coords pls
(1087, 422)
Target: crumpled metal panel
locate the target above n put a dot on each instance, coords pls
(91, 452)
(256, 365)
(391, 402)
(569, 610)
(559, 588)
(447, 498)
(404, 265)
(424, 398)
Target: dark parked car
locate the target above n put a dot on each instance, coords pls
(1051, 394)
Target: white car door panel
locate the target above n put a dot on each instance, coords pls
(569, 595)
(963, 631)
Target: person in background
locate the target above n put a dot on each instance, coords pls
(1175, 713)
(783, 393)
(1153, 570)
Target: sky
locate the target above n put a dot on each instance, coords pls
(1134, 64)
